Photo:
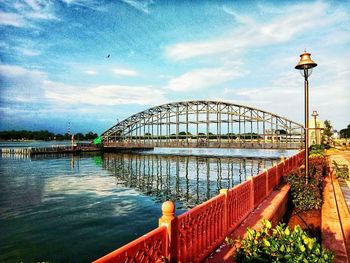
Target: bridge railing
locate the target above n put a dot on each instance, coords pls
(207, 144)
(192, 236)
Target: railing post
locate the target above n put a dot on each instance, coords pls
(280, 176)
(267, 183)
(168, 220)
(225, 191)
(250, 178)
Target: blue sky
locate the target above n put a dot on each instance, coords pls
(55, 70)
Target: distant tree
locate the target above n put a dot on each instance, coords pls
(281, 131)
(41, 135)
(90, 136)
(327, 128)
(345, 133)
(79, 136)
(183, 133)
(67, 136)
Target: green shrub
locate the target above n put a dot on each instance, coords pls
(308, 196)
(279, 244)
(342, 174)
(304, 196)
(341, 170)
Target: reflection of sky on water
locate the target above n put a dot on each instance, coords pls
(60, 208)
(51, 210)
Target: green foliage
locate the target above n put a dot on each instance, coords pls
(341, 170)
(342, 173)
(304, 196)
(308, 196)
(43, 135)
(327, 128)
(317, 150)
(279, 244)
(345, 133)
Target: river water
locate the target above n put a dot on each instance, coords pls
(65, 208)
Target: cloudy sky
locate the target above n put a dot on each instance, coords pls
(92, 62)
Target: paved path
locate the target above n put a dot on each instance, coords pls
(343, 157)
(335, 211)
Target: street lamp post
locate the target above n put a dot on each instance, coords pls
(305, 65)
(315, 114)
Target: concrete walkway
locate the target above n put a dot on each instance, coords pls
(335, 225)
(343, 157)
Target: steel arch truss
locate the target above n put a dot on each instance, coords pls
(206, 124)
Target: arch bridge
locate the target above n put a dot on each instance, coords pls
(209, 124)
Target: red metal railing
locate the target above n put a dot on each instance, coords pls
(148, 248)
(192, 236)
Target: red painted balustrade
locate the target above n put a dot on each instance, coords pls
(280, 172)
(271, 179)
(239, 203)
(200, 230)
(259, 188)
(192, 236)
(151, 247)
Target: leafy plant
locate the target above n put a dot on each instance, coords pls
(308, 196)
(304, 196)
(341, 170)
(278, 244)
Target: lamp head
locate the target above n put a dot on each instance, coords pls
(314, 113)
(305, 64)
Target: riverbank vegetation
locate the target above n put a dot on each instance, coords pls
(44, 135)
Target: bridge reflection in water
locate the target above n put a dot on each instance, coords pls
(187, 180)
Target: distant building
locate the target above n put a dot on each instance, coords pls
(315, 131)
(336, 134)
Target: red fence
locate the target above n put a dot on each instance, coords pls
(148, 248)
(200, 230)
(192, 236)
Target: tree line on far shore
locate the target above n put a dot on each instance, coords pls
(45, 135)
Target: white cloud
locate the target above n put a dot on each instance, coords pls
(125, 72)
(34, 4)
(295, 20)
(329, 92)
(205, 77)
(20, 84)
(17, 71)
(141, 5)
(26, 12)
(103, 94)
(11, 19)
(29, 52)
(90, 72)
(24, 85)
(92, 4)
